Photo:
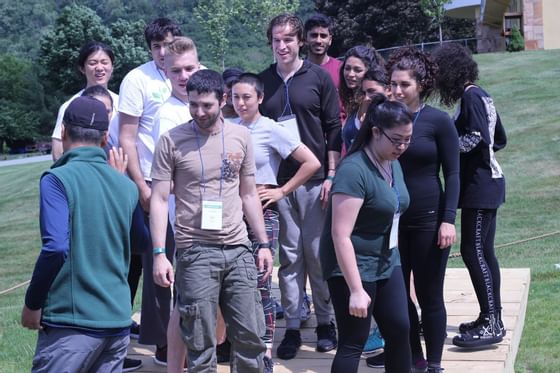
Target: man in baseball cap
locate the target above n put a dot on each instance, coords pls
(78, 298)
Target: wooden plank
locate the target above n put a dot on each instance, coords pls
(461, 306)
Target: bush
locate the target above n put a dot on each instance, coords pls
(516, 41)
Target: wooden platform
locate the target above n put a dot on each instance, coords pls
(461, 306)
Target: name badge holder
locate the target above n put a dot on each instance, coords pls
(287, 119)
(212, 207)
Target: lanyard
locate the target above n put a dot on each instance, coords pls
(163, 78)
(181, 101)
(417, 115)
(287, 94)
(203, 181)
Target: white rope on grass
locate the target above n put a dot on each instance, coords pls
(14, 287)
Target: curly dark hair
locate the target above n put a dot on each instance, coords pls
(422, 66)
(370, 57)
(456, 67)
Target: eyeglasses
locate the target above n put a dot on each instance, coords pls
(396, 143)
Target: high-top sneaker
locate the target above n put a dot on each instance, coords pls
(487, 332)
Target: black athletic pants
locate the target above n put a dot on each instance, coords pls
(421, 256)
(389, 309)
(478, 228)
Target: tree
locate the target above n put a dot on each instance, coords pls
(516, 42)
(435, 9)
(218, 17)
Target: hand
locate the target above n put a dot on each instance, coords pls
(363, 109)
(163, 271)
(31, 319)
(325, 191)
(118, 159)
(264, 262)
(359, 303)
(270, 196)
(446, 235)
(145, 195)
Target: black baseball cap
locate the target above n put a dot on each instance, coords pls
(231, 74)
(87, 112)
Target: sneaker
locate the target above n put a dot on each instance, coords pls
(374, 343)
(290, 345)
(305, 308)
(134, 330)
(223, 352)
(463, 327)
(487, 332)
(279, 310)
(326, 337)
(130, 365)
(377, 361)
(420, 366)
(160, 357)
(268, 365)
(435, 370)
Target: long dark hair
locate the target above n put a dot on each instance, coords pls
(420, 63)
(370, 57)
(383, 114)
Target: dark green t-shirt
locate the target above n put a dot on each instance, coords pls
(358, 177)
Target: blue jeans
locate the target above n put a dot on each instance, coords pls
(209, 276)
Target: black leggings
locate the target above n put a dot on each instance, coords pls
(478, 228)
(421, 256)
(389, 309)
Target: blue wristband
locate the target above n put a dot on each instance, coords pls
(159, 250)
(331, 178)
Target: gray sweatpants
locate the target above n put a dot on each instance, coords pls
(301, 224)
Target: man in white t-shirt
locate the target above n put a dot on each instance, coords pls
(142, 92)
(181, 61)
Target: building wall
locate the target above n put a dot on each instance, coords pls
(533, 26)
(551, 11)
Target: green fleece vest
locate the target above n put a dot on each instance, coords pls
(91, 289)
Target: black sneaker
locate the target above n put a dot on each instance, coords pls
(223, 352)
(134, 330)
(435, 370)
(487, 332)
(377, 361)
(160, 357)
(326, 337)
(130, 365)
(290, 345)
(463, 327)
(268, 365)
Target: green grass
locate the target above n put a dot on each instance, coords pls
(524, 86)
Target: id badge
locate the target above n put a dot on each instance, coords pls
(211, 215)
(394, 236)
(290, 123)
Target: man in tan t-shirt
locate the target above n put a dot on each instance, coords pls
(210, 165)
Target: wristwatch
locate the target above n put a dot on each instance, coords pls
(264, 245)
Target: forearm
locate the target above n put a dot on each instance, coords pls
(56, 149)
(252, 209)
(159, 210)
(133, 168)
(333, 158)
(346, 259)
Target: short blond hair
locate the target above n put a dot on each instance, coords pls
(181, 45)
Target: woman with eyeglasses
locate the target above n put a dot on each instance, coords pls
(359, 255)
(481, 134)
(427, 229)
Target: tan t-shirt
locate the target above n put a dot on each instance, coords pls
(178, 158)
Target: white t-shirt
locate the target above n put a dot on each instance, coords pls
(172, 113)
(113, 124)
(271, 142)
(142, 92)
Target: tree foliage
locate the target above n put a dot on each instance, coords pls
(435, 9)
(516, 42)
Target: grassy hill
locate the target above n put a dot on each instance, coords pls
(524, 86)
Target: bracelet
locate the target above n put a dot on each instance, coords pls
(159, 250)
(332, 169)
(329, 177)
(264, 245)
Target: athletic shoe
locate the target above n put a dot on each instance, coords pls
(134, 330)
(486, 333)
(374, 343)
(326, 337)
(223, 352)
(435, 370)
(463, 327)
(268, 365)
(290, 345)
(130, 365)
(160, 357)
(305, 308)
(420, 366)
(279, 310)
(377, 361)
